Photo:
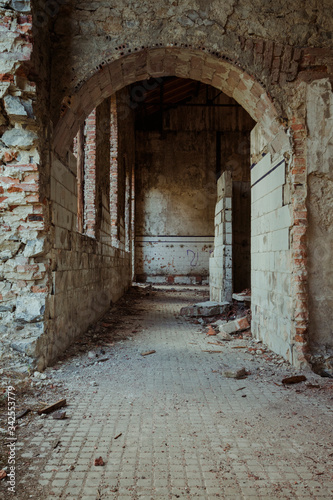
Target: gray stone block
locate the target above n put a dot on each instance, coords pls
(209, 308)
(14, 107)
(30, 308)
(25, 346)
(19, 137)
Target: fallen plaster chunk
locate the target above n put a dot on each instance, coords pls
(234, 326)
(208, 308)
(241, 297)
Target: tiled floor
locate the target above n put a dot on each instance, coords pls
(185, 430)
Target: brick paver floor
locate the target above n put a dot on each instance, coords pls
(171, 425)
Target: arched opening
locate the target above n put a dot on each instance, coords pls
(271, 259)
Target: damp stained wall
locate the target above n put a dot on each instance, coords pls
(176, 172)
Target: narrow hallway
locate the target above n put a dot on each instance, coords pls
(171, 424)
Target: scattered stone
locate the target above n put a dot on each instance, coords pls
(39, 375)
(235, 326)
(209, 308)
(91, 355)
(241, 297)
(239, 374)
(59, 415)
(220, 322)
(147, 353)
(225, 336)
(3, 474)
(99, 461)
(296, 379)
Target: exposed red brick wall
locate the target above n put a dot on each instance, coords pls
(298, 238)
(114, 171)
(90, 175)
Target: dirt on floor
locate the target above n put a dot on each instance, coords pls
(84, 365)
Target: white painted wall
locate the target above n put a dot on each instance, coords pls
(181, 257)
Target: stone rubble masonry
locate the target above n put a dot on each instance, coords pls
(24, 269)
(114, 171)
(220, 262)
(90, 175)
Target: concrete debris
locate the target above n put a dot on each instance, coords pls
(59, 415)
(209, 308)
(239, 374)
(241, 297)
(225, 336)
(220, 322)
(235, 326)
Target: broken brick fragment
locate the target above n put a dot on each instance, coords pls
(99, 461)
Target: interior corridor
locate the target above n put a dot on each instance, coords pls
(171, 424)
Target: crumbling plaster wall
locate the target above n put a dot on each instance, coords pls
(175, 199)
(177, 168)
(258, 36)
(320, 233)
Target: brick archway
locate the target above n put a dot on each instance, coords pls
(160, 62)
(249, 93)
